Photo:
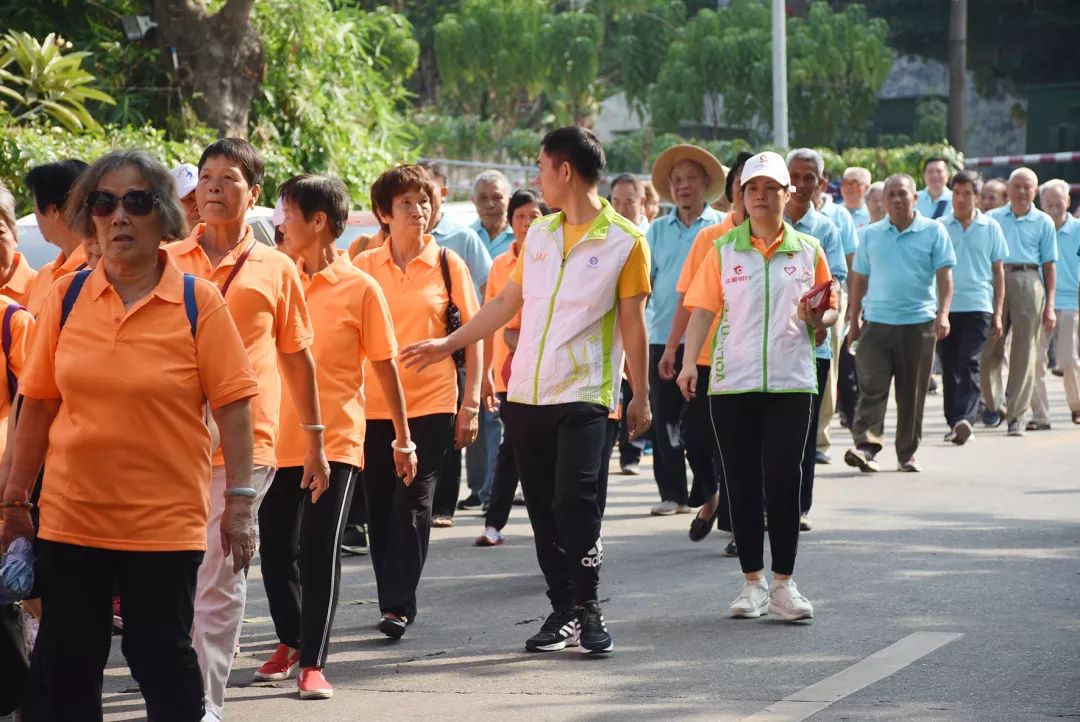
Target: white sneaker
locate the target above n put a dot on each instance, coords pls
(664, 508)
(752, 602)
(786, 602)
(684, 509)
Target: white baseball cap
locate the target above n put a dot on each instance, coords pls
(186, 177)
(766, 165)
(278, 217)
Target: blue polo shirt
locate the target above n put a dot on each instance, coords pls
(500, 245)
(861, 216)
(464, 242)
(977, 250)
(849, 239)
(926, 206)
(670, 241)
(815, 223)
(901, 266)
(1068, 265)
(1031, 237)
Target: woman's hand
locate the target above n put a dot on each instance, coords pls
(487, 393)
(238, 531)
(17, 523)
(418, 356)
(687, 381)
(316, 472)
(405, 466)
(467, 427)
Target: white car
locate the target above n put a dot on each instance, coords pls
(37, 251)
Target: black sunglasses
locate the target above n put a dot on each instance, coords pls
(137, 203)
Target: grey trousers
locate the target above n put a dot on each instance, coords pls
(888, 353)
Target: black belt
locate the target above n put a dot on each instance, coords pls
(1021, 266)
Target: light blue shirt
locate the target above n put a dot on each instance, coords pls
(901, 268)
(500, 245)
(1031, 237)
(815, 223)
(977, 250)
(1068, 265)
(839, 215)
(464, 242)
(861, 216)
(670, 242)
(926, 206)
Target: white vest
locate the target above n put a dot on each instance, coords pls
(760, 344)
(570, 348)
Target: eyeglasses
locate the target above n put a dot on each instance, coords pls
(137, 203)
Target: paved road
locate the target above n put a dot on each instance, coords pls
(985, 544)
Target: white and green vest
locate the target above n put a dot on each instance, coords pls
(570, 348)
(760, 344)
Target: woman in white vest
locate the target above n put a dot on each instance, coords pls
(762, 377)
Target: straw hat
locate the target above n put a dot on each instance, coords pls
(661, 172)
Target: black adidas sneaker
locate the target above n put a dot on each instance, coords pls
(595, 638)
(559, 631)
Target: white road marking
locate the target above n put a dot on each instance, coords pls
(811, 700)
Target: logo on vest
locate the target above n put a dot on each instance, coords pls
(737, 275)
(790, 270)
(540, 256)
(595, 556)
(594, 261)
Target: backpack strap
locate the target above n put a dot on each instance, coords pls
(939, 209)
(72, 295)
(190, 306)
(12, 379)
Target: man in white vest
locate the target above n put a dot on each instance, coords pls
(581, 283)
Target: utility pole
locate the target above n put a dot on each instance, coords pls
(779, 73)
(957, 71)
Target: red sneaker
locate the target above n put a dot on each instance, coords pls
(280, 666)
(313, 685)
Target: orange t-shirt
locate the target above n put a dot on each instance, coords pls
(707, 289)
(501, 269)
(128, 465)
(704, 242)
(266, 301)
(22, 278)
(22, 323)
(352, 324)
(418, 300)
(49, 274)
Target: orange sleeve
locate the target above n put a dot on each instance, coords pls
(518, 274)
(225, 371)
(39, 381)
(703, 243)
(462, 288)
(377, 336)
(294, 331)
(635, 279)
(822, 274)
(706, 290)
(22, 325)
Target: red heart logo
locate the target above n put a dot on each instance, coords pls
(789, 270)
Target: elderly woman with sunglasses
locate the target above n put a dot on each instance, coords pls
(123, 361)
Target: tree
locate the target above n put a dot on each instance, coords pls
(222, 62)
(642, 37)
(47, 83)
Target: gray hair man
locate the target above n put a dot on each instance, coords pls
(491, 196)
(1030, 285)
(854, 185)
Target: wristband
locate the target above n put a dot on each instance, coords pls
(244, 491)
(410, 449)
(29, 506)
(312, 427)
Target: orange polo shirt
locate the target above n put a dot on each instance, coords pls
(49, 274)
(22, 278)
(352, 324)
(704, 242)
(501, 269)
(22, 323)
(266, 301)
(707, 289)
(128, 465)
(417, 299)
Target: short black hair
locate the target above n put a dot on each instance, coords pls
(935, 159)
(967, 176)
(435, 169)
(314, 193)
(580, 147)
(524, 197)
(630, 179)
(51, 183)
(241, 152)
(736, 167)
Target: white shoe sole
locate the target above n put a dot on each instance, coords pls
(275, 677)
(316, 694)
(572, 642)
(963, 433)
(749, 613)
(605, 650)
(789, 616)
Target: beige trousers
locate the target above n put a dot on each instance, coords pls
(1066, 333)
(1025, 298)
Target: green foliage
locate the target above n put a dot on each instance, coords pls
(641, 41)
(637, 152)
(37, 80)
(333, 97)
(883, 162)
(932, 116)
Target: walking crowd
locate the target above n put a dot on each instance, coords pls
(181, 397)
